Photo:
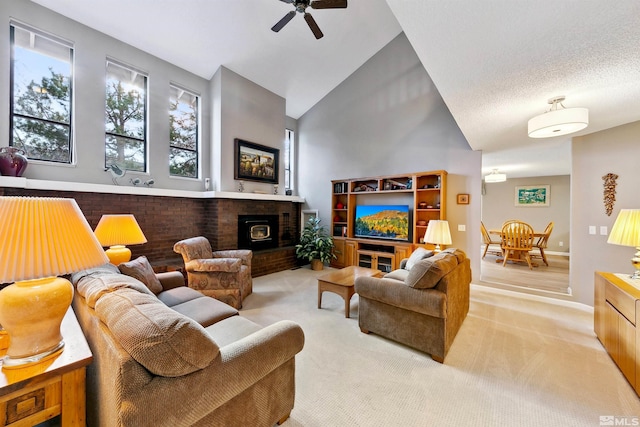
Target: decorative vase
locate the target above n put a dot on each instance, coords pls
(316, 264)
(13, 161)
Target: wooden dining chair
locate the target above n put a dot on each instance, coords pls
(488, 241)
(517, 242)
(542, 242)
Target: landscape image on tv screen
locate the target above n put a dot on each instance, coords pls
(382, 222)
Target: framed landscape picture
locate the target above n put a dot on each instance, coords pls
(255, 162)
(533, 195)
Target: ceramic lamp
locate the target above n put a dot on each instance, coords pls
(116, 231)
(42, 238)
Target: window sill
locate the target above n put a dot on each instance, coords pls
(38, 184)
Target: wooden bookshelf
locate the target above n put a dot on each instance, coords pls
(425, 193)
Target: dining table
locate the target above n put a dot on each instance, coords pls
(536, 234)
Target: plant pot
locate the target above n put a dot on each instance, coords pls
(316, 264)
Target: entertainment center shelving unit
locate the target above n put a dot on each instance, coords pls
(424, 192)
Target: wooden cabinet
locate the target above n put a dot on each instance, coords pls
(32, 394)
(616, 313)
(423, 192)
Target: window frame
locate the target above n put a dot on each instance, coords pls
(145, 127)
(288, 152)
(12, 80)
(197, 149)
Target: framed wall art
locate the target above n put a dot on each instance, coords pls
(533, 195)
(463, 199)
(255, 162)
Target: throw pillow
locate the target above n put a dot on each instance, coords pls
(140, 269)
(162, 340)
(427, 273)
(417, 255)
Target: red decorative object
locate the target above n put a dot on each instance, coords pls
(339, 206)
(13, 161)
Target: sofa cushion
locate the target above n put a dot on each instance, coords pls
(107, 268)
(178, 295)
(428, 272)
(142, 270)
(457, 252)
(205, 310)
(399, 274)
(417, 255)
(93, 288)
(165, 342)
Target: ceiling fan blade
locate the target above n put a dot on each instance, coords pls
(281, 23)
(287, 1)
(328, 4)
(314, 27)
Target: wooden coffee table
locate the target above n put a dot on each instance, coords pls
(341, 282)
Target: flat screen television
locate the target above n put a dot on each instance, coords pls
(389, 222)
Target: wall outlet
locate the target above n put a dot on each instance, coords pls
(603, 230)
(592, 229)
(560, 244)
(462, 227)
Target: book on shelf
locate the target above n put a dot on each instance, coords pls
(340, 187)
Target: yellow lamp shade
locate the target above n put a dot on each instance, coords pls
(116, 231)
(626, 232)
(42, 238)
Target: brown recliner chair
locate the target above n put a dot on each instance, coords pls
(223, 275)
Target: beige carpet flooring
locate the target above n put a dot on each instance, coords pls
(518, 360)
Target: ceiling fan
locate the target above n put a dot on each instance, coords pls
(301, 6)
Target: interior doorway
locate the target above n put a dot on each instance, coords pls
(499, 204)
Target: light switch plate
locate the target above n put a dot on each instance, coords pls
(603, 230)
(462, 227)
(592, 229)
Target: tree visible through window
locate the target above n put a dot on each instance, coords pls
(183, 138)
(41, 84)
(125, 118)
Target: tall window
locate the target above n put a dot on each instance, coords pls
(41, 101)
(289, 136)
(126, 117)
(183, 144)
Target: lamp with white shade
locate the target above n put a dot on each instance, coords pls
(42, 238)
(558, 121)
(626, 232)
(438, 233)
(117, 231)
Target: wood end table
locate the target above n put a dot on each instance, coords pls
(342, 282)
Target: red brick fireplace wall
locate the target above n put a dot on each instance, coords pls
(165, 220)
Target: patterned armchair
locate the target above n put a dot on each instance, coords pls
(223, 275)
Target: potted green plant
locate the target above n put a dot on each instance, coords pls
(316, 245)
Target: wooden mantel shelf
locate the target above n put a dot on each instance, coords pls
(39, 184)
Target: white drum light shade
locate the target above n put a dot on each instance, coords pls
(494, 176)
(558, 121)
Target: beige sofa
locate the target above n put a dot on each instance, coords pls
(165, 355)
(423, 307)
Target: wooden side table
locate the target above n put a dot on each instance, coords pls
(41, 391)
(342, 283)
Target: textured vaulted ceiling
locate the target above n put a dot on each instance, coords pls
(495, 62)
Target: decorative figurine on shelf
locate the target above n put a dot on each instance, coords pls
(241, 186)
(275, 189)
(339, 206)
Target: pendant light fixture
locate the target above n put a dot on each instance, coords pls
(558, 121)
(494, 176)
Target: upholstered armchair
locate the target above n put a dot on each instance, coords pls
(223, 275)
